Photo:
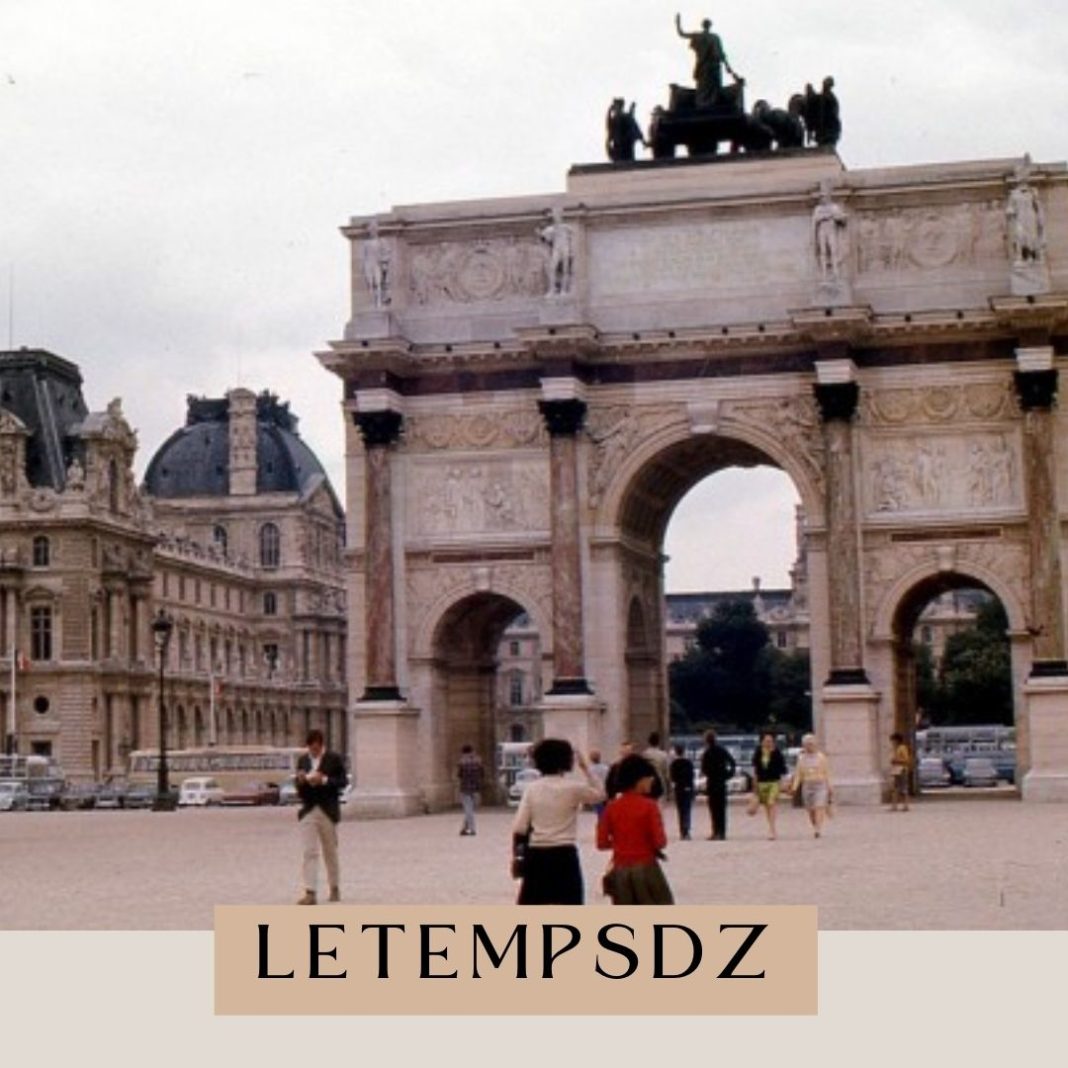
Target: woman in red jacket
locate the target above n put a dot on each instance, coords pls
(631, 826)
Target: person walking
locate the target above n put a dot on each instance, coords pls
(610, 787)
(471, 776)
(659, 759)
(321, 777)
(633, 829)
(812, 777)
(544, 854)
(769, 767)
(681, 774)
(599, 770)
(717, 766)
(900, 765)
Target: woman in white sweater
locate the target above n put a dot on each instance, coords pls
(543, 835)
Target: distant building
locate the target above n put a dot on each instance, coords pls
(236, 533)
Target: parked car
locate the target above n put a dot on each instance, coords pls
(200, 791)
(78, 795)
(14, 797)
(287, 792)
(142, 795)
(933, 772)
(45, 792)
(523, 779)
(980, 771)
(253, 793)
(111, 795)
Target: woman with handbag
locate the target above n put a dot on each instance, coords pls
(544, 854)
(812, 783)
(633, 829)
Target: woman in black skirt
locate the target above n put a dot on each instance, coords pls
(543, 834)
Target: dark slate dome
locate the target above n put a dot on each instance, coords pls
(195, 460)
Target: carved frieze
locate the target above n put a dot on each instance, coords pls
(944, 473)
(926, 239)
(514, 429)
(979, 401)
(483, 498)
(615, 432)
(465, 273)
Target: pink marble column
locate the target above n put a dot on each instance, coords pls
(838, 403)
(1037, 391)
(380, 430)
(564, 419)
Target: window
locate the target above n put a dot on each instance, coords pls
(513, 648)
(270, 604)
(42, 551)
(221, 539)
(41, 632)
(270, 658)
(270, 546)
(927, 636)
(515, 689)
(780, 639)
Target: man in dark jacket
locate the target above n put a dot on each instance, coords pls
(717, 766)
(320, 779)
(681, 774)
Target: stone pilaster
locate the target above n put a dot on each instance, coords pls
(837, 395)
(1036, 387)
(242, 429)
(564, 411)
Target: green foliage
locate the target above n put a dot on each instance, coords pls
(975, 676)
(733, 677)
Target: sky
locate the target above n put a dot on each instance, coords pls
(173, 175)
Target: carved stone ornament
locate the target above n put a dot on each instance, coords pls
(483, 498)
(379, 428)
(466, 273)
(518, 428)
(563, 418)
(1037, 390)
(979, 401)
(560, 237)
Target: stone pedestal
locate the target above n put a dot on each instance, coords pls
(576, 718)
(385, 769)
(1047, 715)
(559, 311)
(372, 325)
(850, 739)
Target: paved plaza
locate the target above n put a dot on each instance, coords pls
(972, 863)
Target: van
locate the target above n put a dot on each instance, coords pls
(200, 791)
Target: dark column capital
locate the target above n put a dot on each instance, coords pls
(1037, 390)
(379, 428)
(563, 418)
(837, 400)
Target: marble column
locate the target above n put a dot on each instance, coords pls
(838, 404)
(380, 430)
(1037, 392)
(564, 419)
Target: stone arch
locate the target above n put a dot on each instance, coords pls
(460, 686)
(645, 690)
(701, 455)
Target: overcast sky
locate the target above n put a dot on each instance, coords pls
(173, 175)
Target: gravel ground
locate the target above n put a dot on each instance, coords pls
(975, 863)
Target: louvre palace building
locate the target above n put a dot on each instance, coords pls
(236, 533)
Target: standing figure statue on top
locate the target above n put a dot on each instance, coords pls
(831, 245)
(622, 132)
(377, 262)
(560, 237)
(710, 59)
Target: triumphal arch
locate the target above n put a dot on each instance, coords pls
(532, 384)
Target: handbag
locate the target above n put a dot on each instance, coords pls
(520, 845)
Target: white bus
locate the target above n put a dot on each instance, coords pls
(230, 765)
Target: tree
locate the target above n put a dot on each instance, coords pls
(975, 676)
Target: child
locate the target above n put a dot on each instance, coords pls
(633, 829)
(900, 763)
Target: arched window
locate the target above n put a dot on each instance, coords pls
(270, 604)
(42, 551)
(270, 546)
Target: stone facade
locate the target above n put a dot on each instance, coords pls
(541, 439)
(87, 558)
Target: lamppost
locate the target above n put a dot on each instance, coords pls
(162, 626)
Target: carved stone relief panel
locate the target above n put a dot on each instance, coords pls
(492, 496)
(940, 473)
(517, 428)
(928, 239)
(471, 272)
(933, 405)
(615, 432)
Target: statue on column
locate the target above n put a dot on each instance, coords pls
(1027, 234)
(560, 237)
(831, 245)
(377, 262)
